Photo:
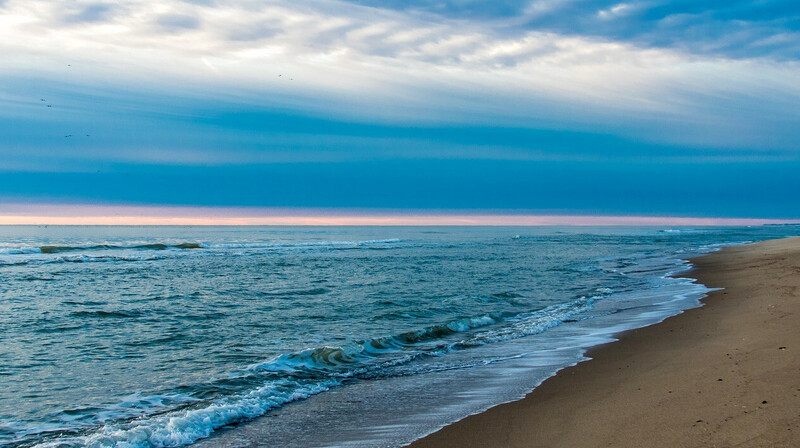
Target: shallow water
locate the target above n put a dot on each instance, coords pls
(161, 336)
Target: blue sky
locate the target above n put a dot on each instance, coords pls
(601, 107)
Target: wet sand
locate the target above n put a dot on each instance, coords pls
(723, 375)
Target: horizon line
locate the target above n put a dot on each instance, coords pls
(377, 221)
(132, 215)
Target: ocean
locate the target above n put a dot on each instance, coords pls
(312, 336)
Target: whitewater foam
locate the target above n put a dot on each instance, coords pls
(295, 376)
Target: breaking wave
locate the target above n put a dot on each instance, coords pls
(295, 376)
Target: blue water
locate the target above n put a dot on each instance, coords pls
(162, 336)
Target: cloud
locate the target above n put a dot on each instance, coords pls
(696, 26)
(177, 22)
(435, 63)
(88, 13)
(618, 10)
(466, 9)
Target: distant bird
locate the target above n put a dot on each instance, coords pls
(41, 99)
(68, 136)
(87, 135)
(279, 76)
(49, 105)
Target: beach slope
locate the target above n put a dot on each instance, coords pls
(726, 374)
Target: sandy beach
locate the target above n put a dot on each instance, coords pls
(723, 375)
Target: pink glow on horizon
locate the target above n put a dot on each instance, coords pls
(16, 214)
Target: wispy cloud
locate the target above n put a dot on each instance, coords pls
(699, 26)
(377, 63)
(616, 11)
(172, 23)
(89, 12)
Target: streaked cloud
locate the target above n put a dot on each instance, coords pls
(380, 64)
(90, 12)
(730, 29)
(618, 10)
(177, 22)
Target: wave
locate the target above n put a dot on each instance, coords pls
(19, 250)
(14, 263)
(155, 246)
(96, 253)
(80, 258)
(106, 314)
(295, 376)
(53, 249)
(296, 292)
(343, 244)
(188, 426)
(334, 245)
(83, 258)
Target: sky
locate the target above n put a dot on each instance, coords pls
(462, 107)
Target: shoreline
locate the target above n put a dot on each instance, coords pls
(724, 374)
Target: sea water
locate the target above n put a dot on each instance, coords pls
(312, 336)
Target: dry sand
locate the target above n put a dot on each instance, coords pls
(724, 375)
